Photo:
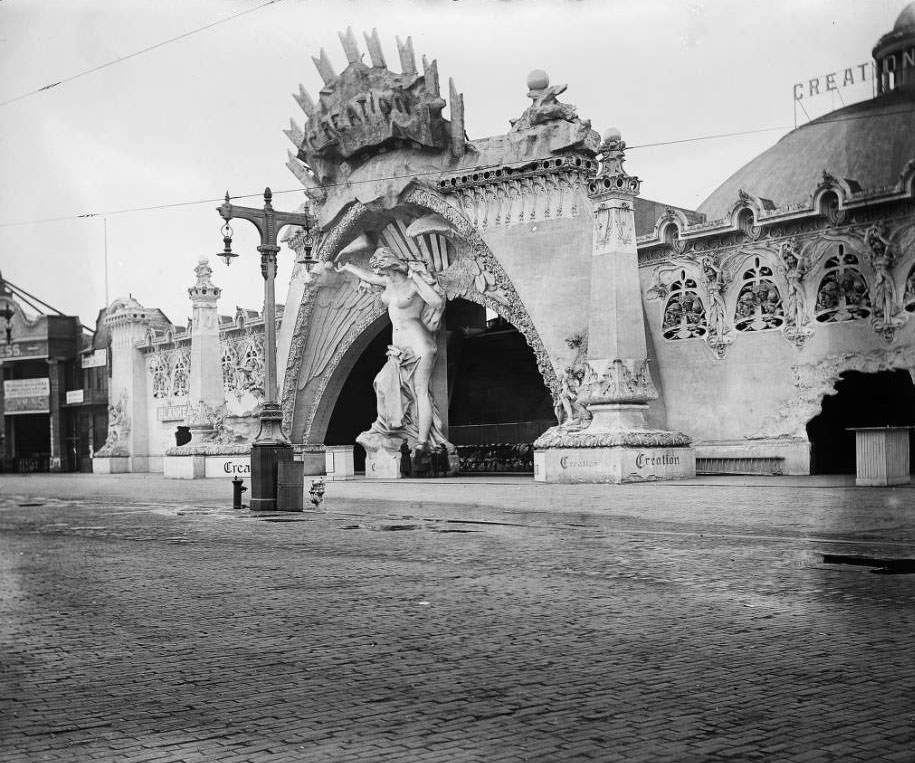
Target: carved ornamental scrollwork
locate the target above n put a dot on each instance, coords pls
(118, 430)
(243, 364)
(619, 381)
(170, 372)
(505, 196)
(570, 409)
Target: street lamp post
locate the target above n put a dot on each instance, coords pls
(270, 447)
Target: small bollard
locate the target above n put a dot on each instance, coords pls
(238, 488)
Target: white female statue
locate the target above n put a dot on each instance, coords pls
(415, 302)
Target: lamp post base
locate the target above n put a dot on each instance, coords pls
(265, 458)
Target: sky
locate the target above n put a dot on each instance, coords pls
(190, 119)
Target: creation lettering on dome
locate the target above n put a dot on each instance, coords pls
(828, 83)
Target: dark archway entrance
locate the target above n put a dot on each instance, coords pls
(355, 408)
(498, 403)
(886, 398)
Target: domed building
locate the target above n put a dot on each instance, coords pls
(780, 309)
(511, 303)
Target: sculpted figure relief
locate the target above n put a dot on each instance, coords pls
(887, 317)
(882, 259)
(405, 406)
(795, 300)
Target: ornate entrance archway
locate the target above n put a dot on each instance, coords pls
(336, 319)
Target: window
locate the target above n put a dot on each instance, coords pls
(684, 313)
(842, 295)
(160, 381)
(759, 303)
(180, 375)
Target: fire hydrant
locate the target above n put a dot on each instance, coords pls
(238, 487)
(316, 491)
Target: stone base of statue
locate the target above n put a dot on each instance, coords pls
(614, 448)
(388, 458)
(382, 455)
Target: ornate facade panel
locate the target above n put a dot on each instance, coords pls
(842, 293)
(684, 311)
(243, 364)
(181, 373)
(759, 303)
(170, 371)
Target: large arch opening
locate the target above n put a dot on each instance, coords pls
(497, 402)
(885, 398)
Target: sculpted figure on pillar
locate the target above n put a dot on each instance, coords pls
(886, 318)
(406, 409)
(797, 317)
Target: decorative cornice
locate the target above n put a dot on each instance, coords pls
(832, 199)
(557, 437)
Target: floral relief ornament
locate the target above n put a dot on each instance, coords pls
(719, 335)
(797, 318)
(887, 317)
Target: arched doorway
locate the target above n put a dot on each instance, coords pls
(885, 398)
(355, 410)
(497, 404)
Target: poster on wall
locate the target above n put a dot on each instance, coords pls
(26, 395)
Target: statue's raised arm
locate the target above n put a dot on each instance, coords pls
(406, 408)
(361, 273)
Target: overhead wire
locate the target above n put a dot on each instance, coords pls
(136, 53)
(327, 186)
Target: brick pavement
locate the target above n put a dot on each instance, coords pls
(501, 622)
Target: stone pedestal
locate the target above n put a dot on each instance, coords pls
(382, 463)
(613, 465)
(110, 464)
(339, 462)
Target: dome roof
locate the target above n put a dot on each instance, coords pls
(868, 142)
(906, 19)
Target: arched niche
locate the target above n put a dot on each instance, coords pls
(335, 319)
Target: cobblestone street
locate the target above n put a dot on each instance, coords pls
(144, 620)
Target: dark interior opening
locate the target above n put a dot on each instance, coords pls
(885, 398)
(498, 403)
(355, 408)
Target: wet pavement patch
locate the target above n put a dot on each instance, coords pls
(399, 527)
(26, 505)
(881, 566)
(453, 530)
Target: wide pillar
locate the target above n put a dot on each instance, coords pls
(206, 391)
(127, 447)
(616, 445)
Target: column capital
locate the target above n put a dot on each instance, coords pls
(612, 181)
(621, 380)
